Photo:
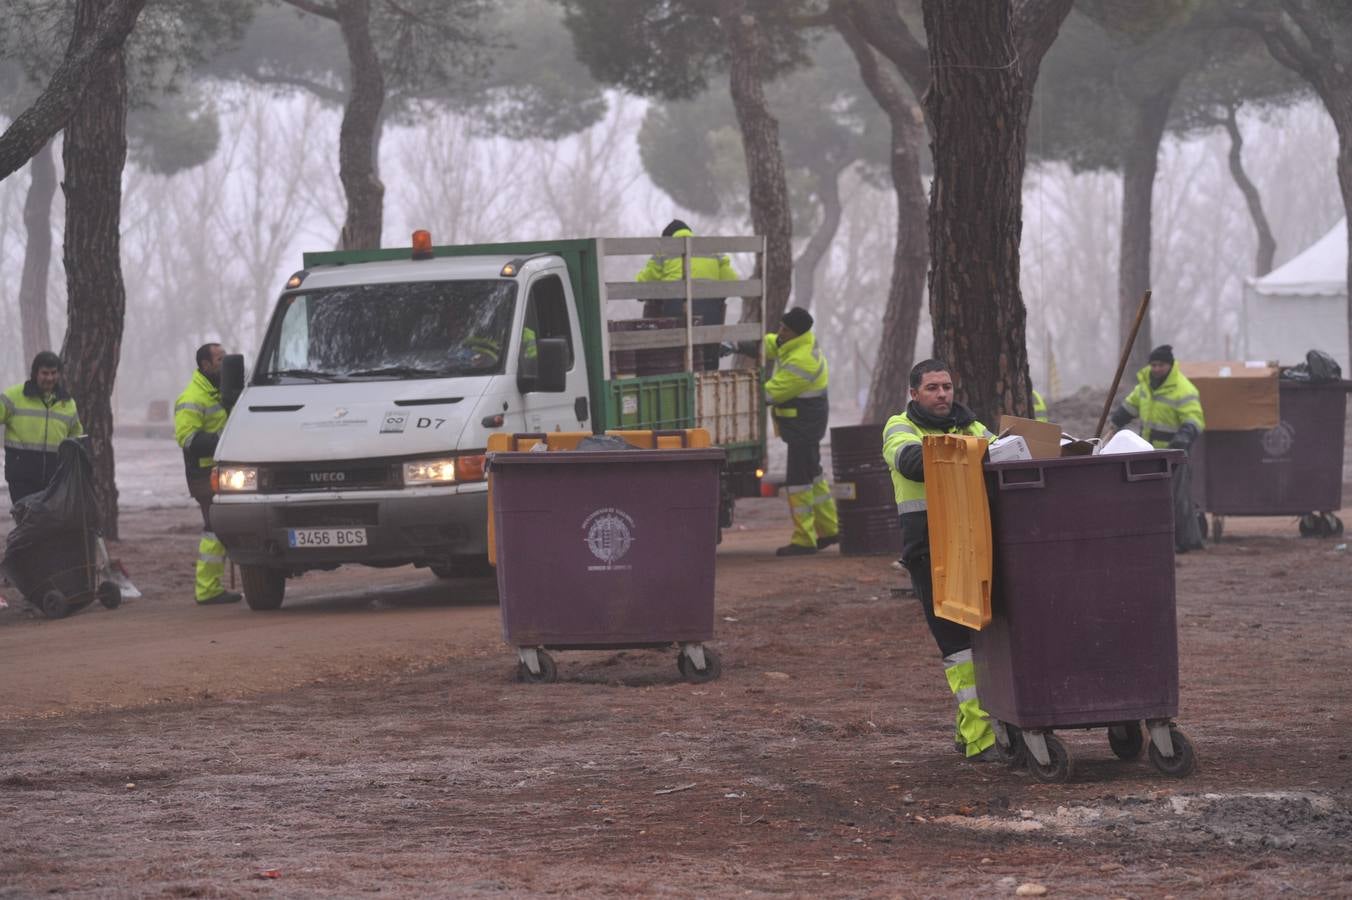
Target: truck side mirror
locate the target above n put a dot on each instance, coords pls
(551, 368)
(232, 379)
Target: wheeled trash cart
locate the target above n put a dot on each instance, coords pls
(604, 550)
(1082, 631)
(1292, 469)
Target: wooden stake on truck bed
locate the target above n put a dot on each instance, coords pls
(1122, 364)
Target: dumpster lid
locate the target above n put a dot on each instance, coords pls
(593, 457)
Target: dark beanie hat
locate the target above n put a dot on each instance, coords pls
(675, 226)
(798, 320)
(1162, 353)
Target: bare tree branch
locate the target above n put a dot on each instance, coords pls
(880, 23)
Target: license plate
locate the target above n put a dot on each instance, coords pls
(327, 537)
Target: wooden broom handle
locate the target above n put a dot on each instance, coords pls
(1122, 364)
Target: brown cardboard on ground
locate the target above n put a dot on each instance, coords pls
(1236, 396)
(1043, 438)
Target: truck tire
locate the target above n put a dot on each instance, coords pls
(264, 588)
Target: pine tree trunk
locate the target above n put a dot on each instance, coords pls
(1267, 244)
(1140, 161)
(889, 389)
(764, 159)
(805, 269)
(983, 66)
(94, 154)
(90, 50)
(359, 140)
(889, 385)
(37, 255)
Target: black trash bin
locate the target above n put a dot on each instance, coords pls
(607, 550)
(1294, 469)
(51, 556)
(1083, 631)
(869, 524)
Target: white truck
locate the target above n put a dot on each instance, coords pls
(360, 434)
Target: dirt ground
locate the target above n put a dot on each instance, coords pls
(370, 737)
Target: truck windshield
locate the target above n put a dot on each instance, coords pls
(424, 329)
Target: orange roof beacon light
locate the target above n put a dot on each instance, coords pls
(422, 244)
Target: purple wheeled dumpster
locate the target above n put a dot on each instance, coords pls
(1294, 469)
(1083, 631)
(607, 550)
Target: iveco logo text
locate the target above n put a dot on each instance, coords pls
(328, 476)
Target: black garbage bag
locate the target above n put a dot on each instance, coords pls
(1318, 368)
(52, 547)
(66, 503)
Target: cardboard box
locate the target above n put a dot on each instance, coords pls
(1043, 438)
(1236, 396)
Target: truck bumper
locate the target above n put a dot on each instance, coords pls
(424, 528)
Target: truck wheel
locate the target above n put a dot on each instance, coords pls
(264, 588)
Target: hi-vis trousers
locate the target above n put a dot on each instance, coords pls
(210, 551)
(810, 501)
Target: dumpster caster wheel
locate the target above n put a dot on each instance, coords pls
(1014, 753)
(1312, 525)
(548, 673)
(713, 667)
(1333, 526)
(109, 594)
(1217, 528)
(1201, 525)
(54, 605)
(1184, 761)
(1058, 769)
(1126, 740)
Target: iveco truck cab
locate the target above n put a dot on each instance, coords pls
(359, 436)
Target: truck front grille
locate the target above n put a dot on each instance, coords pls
(333, 477)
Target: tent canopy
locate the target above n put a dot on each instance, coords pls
(1318, 272)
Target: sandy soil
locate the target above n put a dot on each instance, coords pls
(370, 737)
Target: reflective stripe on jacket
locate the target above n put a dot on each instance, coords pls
(37, 423)
(1165, 409)
(702, 268)
(801, 373)
(198, 410)
(898, 433)
(1039, 407)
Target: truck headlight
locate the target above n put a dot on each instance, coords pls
(235, 479)
(430, 471)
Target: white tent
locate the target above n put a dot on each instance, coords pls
(1301, 305)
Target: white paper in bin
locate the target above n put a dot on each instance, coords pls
(1126, 442)
(1009, 447)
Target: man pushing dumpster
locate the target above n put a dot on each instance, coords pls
(933, 410)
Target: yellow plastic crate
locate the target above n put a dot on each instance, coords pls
(959, 528)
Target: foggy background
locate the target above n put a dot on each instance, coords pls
(206, 251)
